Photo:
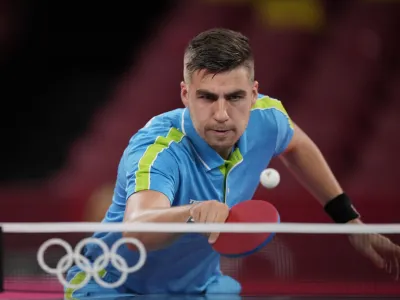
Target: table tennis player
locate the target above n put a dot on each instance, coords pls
(198, 161)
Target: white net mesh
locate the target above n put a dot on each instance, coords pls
(313, 259)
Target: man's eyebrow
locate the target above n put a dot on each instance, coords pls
(202, 91)
(238, 92)
(209, 94)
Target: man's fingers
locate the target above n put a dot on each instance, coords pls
(210, 212)
(195, 213)
(392, 267)
(213, 237)
(388, 267)
(396, 268)
(211, 216)
(388, 247)
(202, 216)
(375, 257)
(396, 251)
(219, 218)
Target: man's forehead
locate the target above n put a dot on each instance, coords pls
(221, 82)
(240, 73)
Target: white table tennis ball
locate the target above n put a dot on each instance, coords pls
(270, 178)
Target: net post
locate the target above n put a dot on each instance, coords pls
(1, 261)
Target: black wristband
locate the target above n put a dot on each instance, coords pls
(341, 210)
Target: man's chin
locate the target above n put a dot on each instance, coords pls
(220, 145)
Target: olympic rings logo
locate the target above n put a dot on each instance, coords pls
(91, 270)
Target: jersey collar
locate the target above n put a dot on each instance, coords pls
(207, 155)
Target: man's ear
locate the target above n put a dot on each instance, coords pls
(255, 93)
(184, 93)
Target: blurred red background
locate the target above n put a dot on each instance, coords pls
(79, 81)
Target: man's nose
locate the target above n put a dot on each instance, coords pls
(221, 111)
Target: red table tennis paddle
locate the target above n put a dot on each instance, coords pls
(237, 244)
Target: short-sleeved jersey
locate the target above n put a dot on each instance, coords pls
(167, 155)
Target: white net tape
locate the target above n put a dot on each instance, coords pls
(308, 228)
(91, 270)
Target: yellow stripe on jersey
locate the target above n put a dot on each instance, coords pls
(78, 279)
(147, 160)
(234, 159)
(271, 103)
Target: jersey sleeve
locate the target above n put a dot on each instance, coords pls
(285, 129)
(282, 121)
(150, 164)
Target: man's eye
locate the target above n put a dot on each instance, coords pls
(207, 97)
(235, 98)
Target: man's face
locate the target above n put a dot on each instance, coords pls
(220, 106)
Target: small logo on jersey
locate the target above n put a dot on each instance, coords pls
(195, 201)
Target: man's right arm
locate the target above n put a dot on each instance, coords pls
(153, 206)
(152, 181)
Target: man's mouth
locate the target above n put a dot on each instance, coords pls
(221, 132)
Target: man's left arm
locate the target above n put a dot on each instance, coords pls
(304, 159)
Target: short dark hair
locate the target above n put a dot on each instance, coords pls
(218, 50)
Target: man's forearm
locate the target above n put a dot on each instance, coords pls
(154, 241)
(308, 165)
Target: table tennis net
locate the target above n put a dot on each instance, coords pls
(293, 263)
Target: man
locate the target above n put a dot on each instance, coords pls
(199, 161)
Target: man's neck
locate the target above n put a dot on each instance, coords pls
(225, 153)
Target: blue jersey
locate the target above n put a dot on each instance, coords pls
(167, 155)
